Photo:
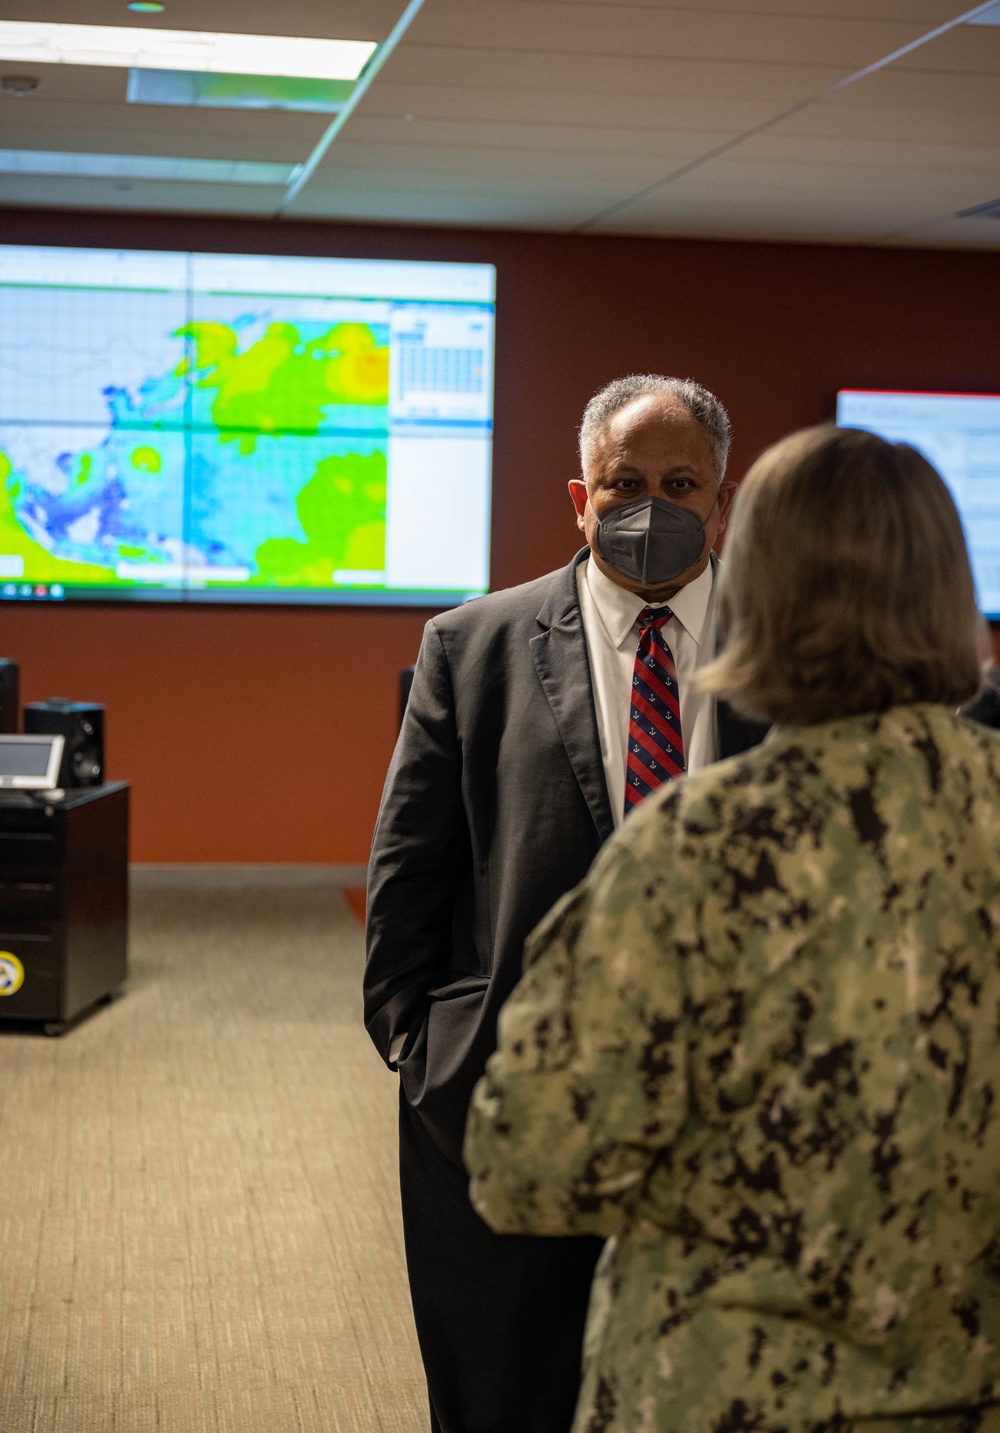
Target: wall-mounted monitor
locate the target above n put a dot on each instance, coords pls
(960, 434)
(242, 428)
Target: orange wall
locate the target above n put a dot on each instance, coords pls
(263, 734)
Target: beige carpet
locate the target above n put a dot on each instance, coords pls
(199, 1223)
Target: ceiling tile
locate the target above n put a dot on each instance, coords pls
(229, 134)
(137, 195)
(966, 50)
(711, 215)
(546, 26)
(82, 84)
(602, 145)
(514, 71)
(952, 233)
(545, 113)
(625, 169)
(924, 12)
(903, 160)
(895, 104)
(334, 19)
(768, 199)
(429, 205)
(563, 108)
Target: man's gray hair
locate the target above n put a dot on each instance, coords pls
(703, 406)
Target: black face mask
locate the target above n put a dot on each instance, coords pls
(651, 540)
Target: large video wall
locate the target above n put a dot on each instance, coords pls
(189, 426)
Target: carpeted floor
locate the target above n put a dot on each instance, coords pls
(199, 1224)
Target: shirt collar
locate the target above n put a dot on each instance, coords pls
(618, 608)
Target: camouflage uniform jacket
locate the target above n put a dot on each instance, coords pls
(759, 1046)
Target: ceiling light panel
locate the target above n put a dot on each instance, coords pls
(215, 91)
(127, 47)
(143, 166)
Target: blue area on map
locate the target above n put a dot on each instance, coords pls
(237, 502)
(210, 501)
(114, 510)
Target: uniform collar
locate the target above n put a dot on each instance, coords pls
(618, 608)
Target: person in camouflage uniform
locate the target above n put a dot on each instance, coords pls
(759, 1046)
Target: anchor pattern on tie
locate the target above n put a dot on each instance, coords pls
(655, 739)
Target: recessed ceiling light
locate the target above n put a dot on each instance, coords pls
(123, 47)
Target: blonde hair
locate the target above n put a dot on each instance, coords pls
(846, 584)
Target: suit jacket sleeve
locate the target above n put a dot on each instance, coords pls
(415, 855)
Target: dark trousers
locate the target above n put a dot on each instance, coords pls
(499, 1317)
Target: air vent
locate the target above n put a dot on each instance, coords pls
(981, 211)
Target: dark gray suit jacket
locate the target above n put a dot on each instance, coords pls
(495, 805)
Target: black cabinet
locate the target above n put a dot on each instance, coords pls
(63, 902)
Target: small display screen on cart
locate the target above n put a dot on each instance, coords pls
(22, 758)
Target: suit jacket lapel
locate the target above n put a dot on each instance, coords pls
(559, 652)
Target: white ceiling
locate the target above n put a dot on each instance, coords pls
(718, 118)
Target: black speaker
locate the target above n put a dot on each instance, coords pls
(82, 725)
(10, 711)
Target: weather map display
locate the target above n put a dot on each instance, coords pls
(219, 427)
(960, 434)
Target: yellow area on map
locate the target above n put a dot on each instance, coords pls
(283, 383)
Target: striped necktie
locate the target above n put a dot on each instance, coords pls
(655, 741)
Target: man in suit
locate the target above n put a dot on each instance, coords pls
(538, 717)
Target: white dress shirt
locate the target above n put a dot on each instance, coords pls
(609, 623)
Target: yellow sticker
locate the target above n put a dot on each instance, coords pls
(11, 973)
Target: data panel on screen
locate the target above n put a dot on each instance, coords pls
(960, 434)
(242, 428)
